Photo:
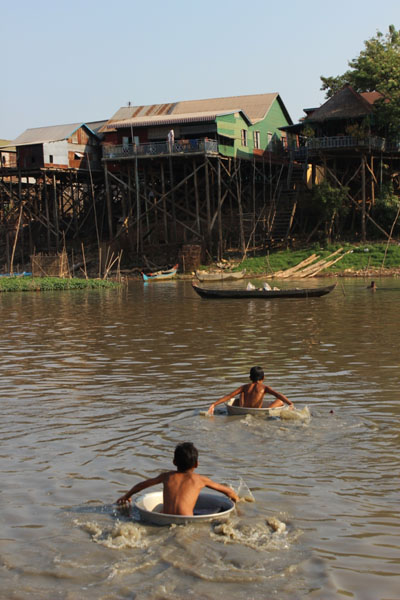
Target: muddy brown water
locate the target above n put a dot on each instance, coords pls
(98, 387)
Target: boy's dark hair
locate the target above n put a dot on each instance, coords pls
(185, 456)
(256, 374)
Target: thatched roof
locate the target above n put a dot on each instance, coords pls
(345, 104)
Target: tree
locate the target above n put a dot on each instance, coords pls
(376, 68)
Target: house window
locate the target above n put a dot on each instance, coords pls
(244, 137)
(50, 158)
(269, 139)
(256, 139)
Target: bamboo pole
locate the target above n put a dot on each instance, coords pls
(289, 272)
(318, 266)
(329, 264)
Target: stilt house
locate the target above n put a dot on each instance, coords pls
(60, 147)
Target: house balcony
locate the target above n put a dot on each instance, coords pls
(339, 142)
(154, 149)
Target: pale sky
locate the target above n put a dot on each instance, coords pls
(80, 60)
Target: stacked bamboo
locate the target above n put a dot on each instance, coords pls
(311, 266)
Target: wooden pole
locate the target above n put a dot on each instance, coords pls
(56, 219)
(46, 204)
(363, 212)
(15, 239)
(164, 203)
(196, 196)
(173, 210)
(219, 209)
(138, 228)
(108, 201)
(208, 205)
(242, 242)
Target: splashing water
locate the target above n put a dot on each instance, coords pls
(119, 536)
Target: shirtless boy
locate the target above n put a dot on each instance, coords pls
(252, 394)
(182, 487)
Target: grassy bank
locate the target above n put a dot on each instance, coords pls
(44, 284)
(361, 259)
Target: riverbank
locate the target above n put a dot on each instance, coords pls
(358, 260)
(43, 284)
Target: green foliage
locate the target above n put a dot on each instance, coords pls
(358, 130)
(329, 200)
(385, 210)
(308, 131)
(376, 68)
(40, 284)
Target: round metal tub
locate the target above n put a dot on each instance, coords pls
(208, 507)
(234, 409)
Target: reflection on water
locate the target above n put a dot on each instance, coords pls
(98, 387)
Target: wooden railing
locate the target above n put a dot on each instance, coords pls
(205, 146)
(342, 141)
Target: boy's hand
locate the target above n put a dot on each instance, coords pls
(211, 410)
(233, 496)
(125, 499)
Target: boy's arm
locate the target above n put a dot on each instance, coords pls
(279, 395)
(224, 489)
(224, 399)
(139, 487)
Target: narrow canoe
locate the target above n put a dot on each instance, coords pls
(167, 274)
(220, 275)
(264, 294)
(208, 507)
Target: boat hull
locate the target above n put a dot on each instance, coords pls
(263, 294)
(222, 276)
(208, 508)
(161, 275)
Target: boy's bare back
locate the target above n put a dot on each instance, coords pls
(181, 491)
(252, 395)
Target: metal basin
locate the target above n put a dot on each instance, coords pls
(234, 409)
(208, 507)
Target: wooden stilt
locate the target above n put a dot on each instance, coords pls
(363, 212)
(108, 201)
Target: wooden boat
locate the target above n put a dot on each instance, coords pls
(208, 508)
(264, 294)
(219, 275)
(233, 408)
(23, 274)
(167, 274)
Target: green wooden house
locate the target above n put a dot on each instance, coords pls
(236, 126)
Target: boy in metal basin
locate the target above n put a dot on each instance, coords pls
(182, 487)
(252, 394)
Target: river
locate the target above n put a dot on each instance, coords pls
(97, 387)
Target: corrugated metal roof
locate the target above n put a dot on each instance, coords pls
(7, 145)
(53, 133)
(169, 120)
(254, 106)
